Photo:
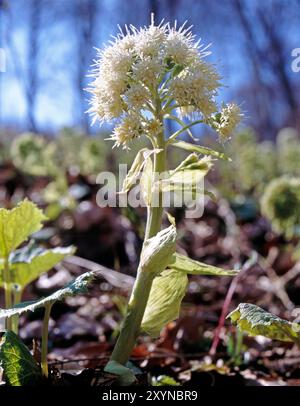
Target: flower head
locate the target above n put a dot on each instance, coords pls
(226, 120)
(280, 204)
(128, 129)
(155, 64)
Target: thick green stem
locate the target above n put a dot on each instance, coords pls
(44, 363)
(141, 290)
(17, 295)
(132, 322)
(7, 289)
(154, 217)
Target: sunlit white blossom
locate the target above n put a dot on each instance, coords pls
(156, 64)
(181, 48)
(153, 127)
(148, 71)
(228, 118)
(150, 41)
(128, 129)
(137, 96)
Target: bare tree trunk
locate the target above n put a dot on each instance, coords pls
(32, 68)
(278, 63)
(85, 17)
(262, 111)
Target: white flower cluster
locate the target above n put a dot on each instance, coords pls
(194, 89)
(228, 118)
(142, 67)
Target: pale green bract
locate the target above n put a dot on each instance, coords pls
(157, 250)
(187, 176)
(18, 224)
(163, 306)
(256, 321)
(169, 286)
(192, 267)
(18, 363)
(28, 263)
(136, 167)
(146, 181)
(199, 149)
(77, 286)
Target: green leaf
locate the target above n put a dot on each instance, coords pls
(164, 380)
(187, 176)
(19, 365)
(185, 264)
(126, 375)
(76, 287)
(256, 321)
(28, 263)
(157, 251)
(18, 224)
(199, 149)
(189, 160)
(163, 306)
(136, 168)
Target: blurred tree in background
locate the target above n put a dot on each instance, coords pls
(50, 47)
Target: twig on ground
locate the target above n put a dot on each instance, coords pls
(115, 278)
(277, 283)
(225, 309)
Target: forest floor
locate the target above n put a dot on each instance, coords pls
(199, 347)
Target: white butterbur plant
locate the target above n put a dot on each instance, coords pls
(141, 79)
(147, 74)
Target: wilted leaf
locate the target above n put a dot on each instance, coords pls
(19, 365)
(18, 224)
(186, 177)
(136, 168)
(28, 263)
(157, 250)
(256, 321)
(199, 149)
(192, 267)
(76, 287)
(167, 292)
(189, 160)
(147, 181)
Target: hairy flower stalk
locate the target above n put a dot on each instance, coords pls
(140, 79)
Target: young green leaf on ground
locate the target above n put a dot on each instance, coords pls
(256, 321)
(19, 365)
(77, 286)
(18, 224)
(29, 262)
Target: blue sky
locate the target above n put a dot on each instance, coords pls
(55, 105)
